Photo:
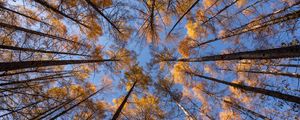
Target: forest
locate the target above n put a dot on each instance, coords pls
(149, 60)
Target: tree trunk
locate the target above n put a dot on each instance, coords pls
(4, 25)
(53, 109)
(276, 53)
(1, 6)
(294, 75)
(236, 106)
(177, 101)
(35, 79)
(119, 110)
(275, 94)
(26, 106)
(46, 5)
(244, 29)
(73, 106)
(40, 51)
(101, 13)
(5, 66)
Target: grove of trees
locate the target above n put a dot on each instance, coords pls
(149, 59)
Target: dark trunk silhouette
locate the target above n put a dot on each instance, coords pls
(46, 5)
(243, 29)
(40, 51)
(5, 66)
(5, 8)
(75, 105)
(275, 94)
(284, 52)
(101, 13)
(36, 79)
(4, 25)
(238, 107)
(119, 110)
(177, 101)
(294, 75)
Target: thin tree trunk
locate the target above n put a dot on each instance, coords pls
(5, 66)
(275, 94)
(101, 13)
(73, 106)
(246, 110)
(244, 29)
(53, 109)
(294, 75)
(4, 25)
(119, 110)
(284, 52)
(27, 16)
(177, 22)
(186, 112)
(46, 5)
(40, 51)
(17, 110)
(35, 79)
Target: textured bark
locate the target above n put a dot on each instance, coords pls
(5, 66)
(119, 110)
(46, 5)
(284, 52)
(4, 25)
(285, 97)
(40, 51)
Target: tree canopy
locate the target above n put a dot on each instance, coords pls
(149, 59)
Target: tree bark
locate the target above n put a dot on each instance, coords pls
(5, 66)
(285, 97)
(276, 53)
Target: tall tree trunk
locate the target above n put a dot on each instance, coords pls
(275, 94)
(46, 5)
(294, 75)
(284, 52)
(119, 110)
(236, 106)
(186, 112)
(5, 66)
(101, 13)
(54, 109)
(27, 16)
(26, 106)
(40, 51)
(244, 29)
(36, 79)
(4, 25)
(75, 105)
